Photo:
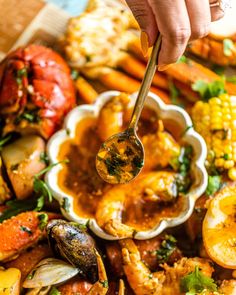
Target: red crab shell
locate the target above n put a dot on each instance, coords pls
(36, 91)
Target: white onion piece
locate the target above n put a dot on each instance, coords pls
(48, 272)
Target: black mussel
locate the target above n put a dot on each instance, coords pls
(72, 242)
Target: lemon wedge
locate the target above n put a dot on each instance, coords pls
(219, 228)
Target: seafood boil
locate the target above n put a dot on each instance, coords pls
(43, 250)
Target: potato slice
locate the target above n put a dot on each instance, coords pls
(22, 161)
(10, 281)
(219, 228)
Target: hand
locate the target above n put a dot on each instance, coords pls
(178, 21)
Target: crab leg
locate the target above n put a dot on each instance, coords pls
(20, 232)
(101, 286)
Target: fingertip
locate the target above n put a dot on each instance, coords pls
(216, 14)
(168, 57)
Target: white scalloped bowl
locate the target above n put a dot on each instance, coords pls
(173, 117)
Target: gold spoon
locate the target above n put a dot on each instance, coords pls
(121, 157)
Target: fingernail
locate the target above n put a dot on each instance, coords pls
(144, 43)
(163, 67)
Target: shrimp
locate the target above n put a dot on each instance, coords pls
(140, 278)
(166, 282)
(153, 186)
(160, 148)
(228, 287)
(110, 120)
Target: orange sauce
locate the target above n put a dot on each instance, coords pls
(79, 177)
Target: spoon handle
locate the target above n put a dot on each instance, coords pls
(146, 84)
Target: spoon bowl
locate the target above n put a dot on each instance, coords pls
(120, 158)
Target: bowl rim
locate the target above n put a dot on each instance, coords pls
(164, 111)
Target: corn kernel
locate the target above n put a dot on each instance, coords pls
(232, 173)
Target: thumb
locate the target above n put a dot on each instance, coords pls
(145, 18)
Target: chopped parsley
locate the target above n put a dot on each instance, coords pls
(43, 220)
(183, 59)
(168, 246)
(66, 204)
(54, 291)
(20, 74)
(209, 90)
(214, 184)
(41, 188)
(195, 282)
(26, 229)
(104, 283)
(43, 192)
(174, 92)
(74, 74)
(228, 47)
(219, 70)
(4, 140)
(15, 207)
(182, 164)
(31, 116)
(44, 158)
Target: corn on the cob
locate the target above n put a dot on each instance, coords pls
(215, 120)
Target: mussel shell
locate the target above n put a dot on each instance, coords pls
(73, 243)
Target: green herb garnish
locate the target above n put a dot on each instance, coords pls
(5, 140)
(219, 70)
(182, 164)
(183, 59)
(44, 158)
(28, 115)
(104, 283)
(174, 92)
(66, 204)
(15, 207)
(43, 191)
(26, 229)
(54, 291)
(41, 188)
(209, 90)
(168, 246)
(20, 74)
(74, 74)
(228, 47)
(43, 220)
(214, 184)
(196, 282)
(231, 79)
